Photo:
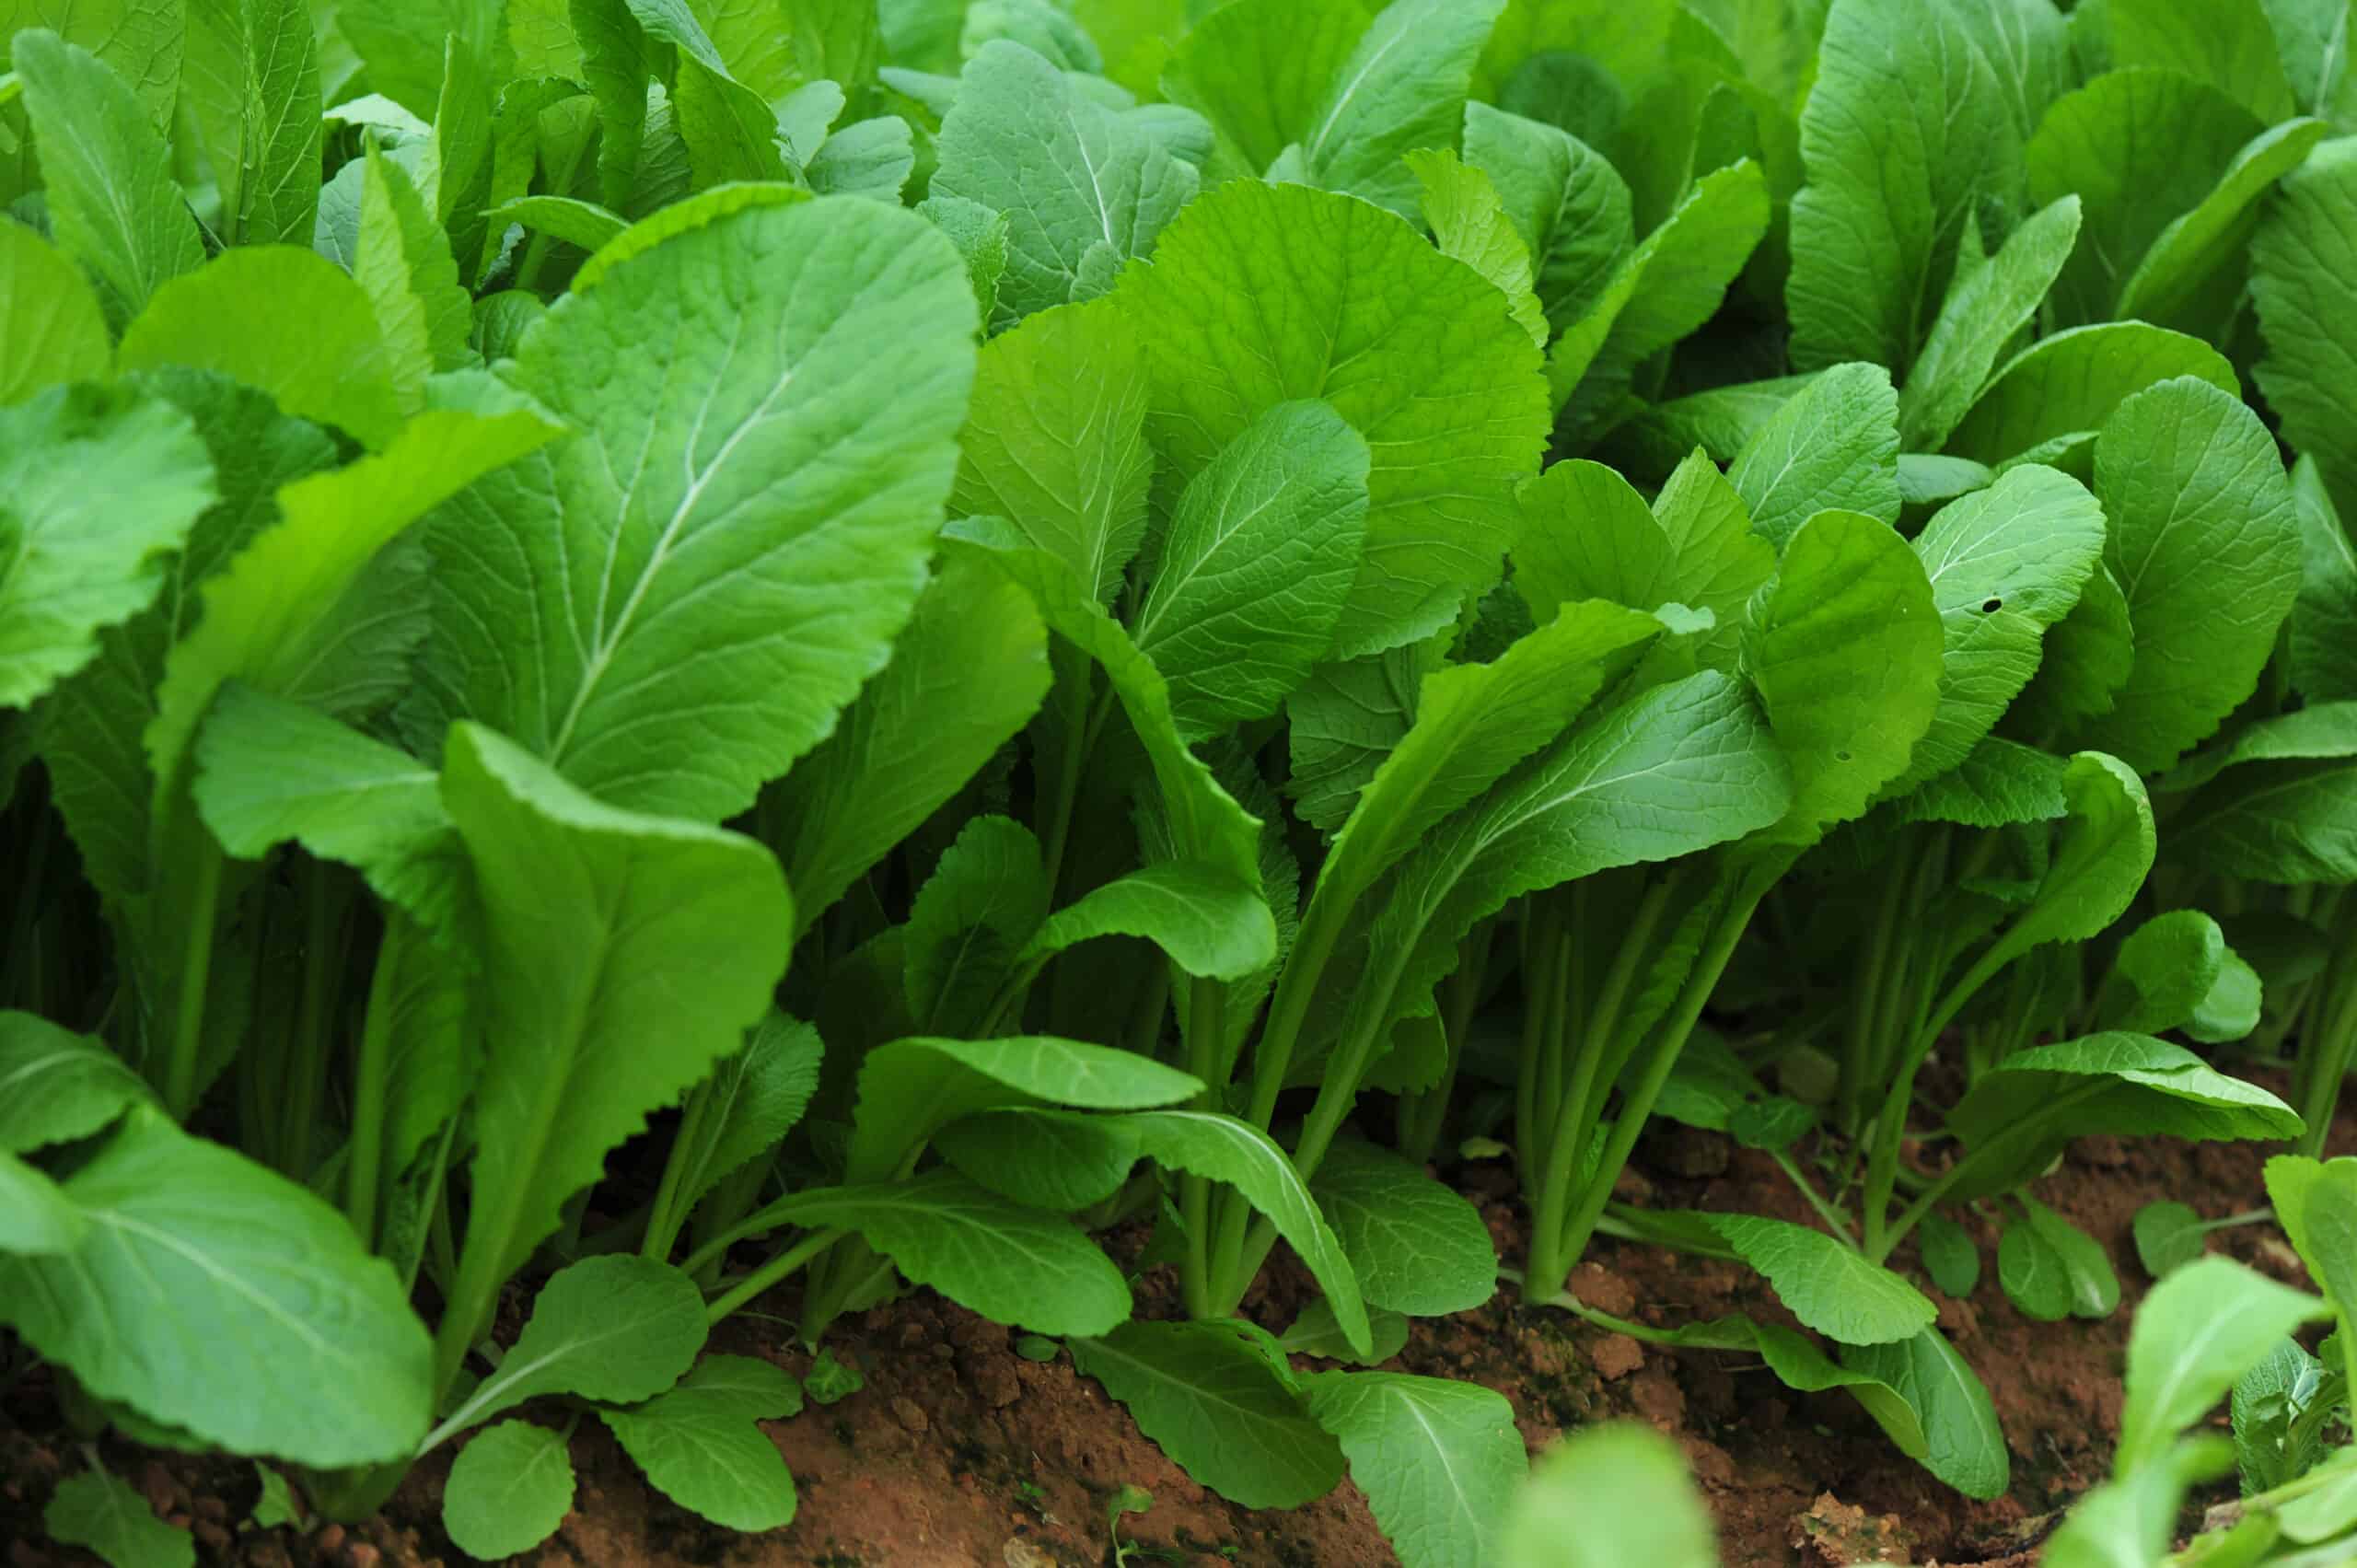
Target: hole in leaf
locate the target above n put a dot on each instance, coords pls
(1840, 756)
(1993, 604)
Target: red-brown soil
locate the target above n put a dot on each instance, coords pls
(959, 1452)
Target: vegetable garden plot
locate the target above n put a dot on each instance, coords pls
(675, 676)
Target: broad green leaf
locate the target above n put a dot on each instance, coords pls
(2005, 565)
(2039, 1099)
(590, 914)
(142, 43)
(2197, 1332)
(1209, 923)
(36, 1216)
(2091, 1288)
(2204, 538)
(1950, 1255)
(1072, 175)
(1962, 1443)
(51, 329)
(1656, 439)
(1844, 649)
(1606, 1495)
(2168, 1236)
(2196, 248)
(1827, 1283)
(1832, 447)
(276, 613)
(1718, 560)
(250, 83)
(2328, 1230)
(1204, 820)
(1439, 1460)
(1046, 1159)
(1470, 222)
(2163, 971)
(268, 770)
(215, 1296)
(107, 174)
(1677, 768)
(2268, 1400)
(2226, 43)
(965, 675)
(870, 158)
(287, 321)
(2074, 381)
(2326, 1513)
(1927, 479)
(56, 1085)
(785, 385)
(1255, 569)
(1472, 724)
(911, 1088)
(1262, 295)
(1670, 285)
(1012, 1265)
(2291, 1178)
(979, 234)
(113, 1518)
(1416, 1247)
(91, 732)
(1910, 120)
(700, 1444)
(1055, 439)
(1345, 720)
(1214, 1403)
(617, 1328)
(2280, 812)
(2089, 655)
(2132, 1519)
(1998, 783)
(1315, 1332)
(982, 903)
(103, 485)
(2142, 149)
(2322, 633)
(507, 1491)
(1586, 534)
(404, 44)
(1402, 87)
(2302, 283)
(757, 1096)
(1566, 200)
(2098, 861)
(730, 130)
(701, 209)
(1983, 311)
(1260, 69)
(401, 257)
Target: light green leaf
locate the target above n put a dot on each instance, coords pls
(2205, 541)
(1439, 1460)
(1346, 719)
(584, 224)
(2075, 380)
(982, 903)
(1566, 200)
(700, 1446)
(1255, 569)
(142, 43)
(1055, 440)
(2090, 1287)
(287, 321)
(590, 914)
(1908, 121)
(2163, 971)
(2098, 862)
(1044, 1159)
(1828, 1284)
(1832, 447)
(1927, 479)
(1402, 87)
(79, 556)
(2226, 43)
(1844, 649)
(215, 1296)
(2168, 1236)
(1962, 1442)
(702, 210)
(2197, 1332)
(1720, 421)
(1983, 311)
(1950, 1255)
(51, 327)
(869, 158)
(56, 1085)
(277, 612)
(1012, 1265)
(911, 1088)
(1415, 1246)
(2005, 565)
(1262, 295)
(507, 1491)
(1470, 223)
(2000, 782)
(401, 257)
(1586, 534)
(785, 385)
(2322, 633)
(1718, 560)
(1260, 69)
(250, 83)
(1216, 1406)
(1209, 923)
(110, 1517)
(107, 172)
(980, 235)
(2197, 247)
(617, 1328)
(1069, 173)
(2089, 655)
(2142, 149)
(36, 1216)
(1606, 1495)
(757, 1096)
(2302, 282)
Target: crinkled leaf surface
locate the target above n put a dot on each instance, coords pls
(1832, 446)
(1416, 1246)
(1828, 1284)
(1402, 87)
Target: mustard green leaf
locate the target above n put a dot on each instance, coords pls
(508, 1490)
(1834, 447)
(2074, 381)
(50, 327)
(2226, 43)
(1983, 311)
(1402, 87)
(250, 83)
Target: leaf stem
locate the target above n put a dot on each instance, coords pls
(770, 1273)
(196, 971)
(371, 1067)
